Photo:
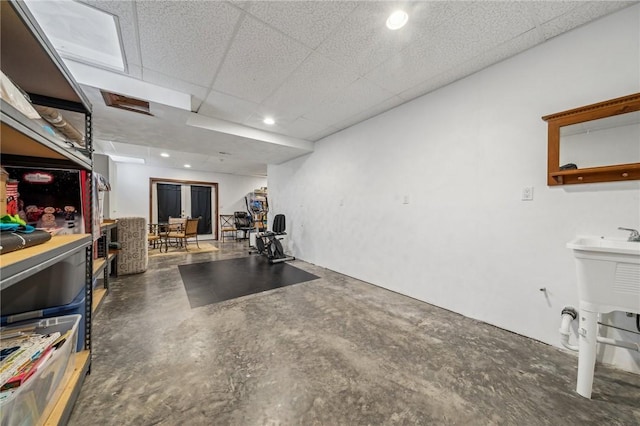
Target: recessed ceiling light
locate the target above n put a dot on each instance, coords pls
(164, 154)
(269, 121)
(397, 20)
(188, 166)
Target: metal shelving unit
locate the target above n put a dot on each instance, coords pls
(32, 63)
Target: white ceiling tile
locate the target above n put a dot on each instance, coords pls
(479, 62)
(430, 85)
(198, 93)
(503, 51)
(547, 10)
(308, 22)
(304, 128)
(186, 40)
(242, 4)
(130, 150)
(585, 12)
(416, 64)
(329, 130)
(482, 26)
(230, 165)
(259, 60)
(294, 125)
(362, 40)
(256, 120)
(227, 107)
(308, 86)
(383, 106)
(360, 95)
(478, 28)
(297, 127)
(134, 71)
(434, 13)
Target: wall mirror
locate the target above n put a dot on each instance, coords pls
(602, 140)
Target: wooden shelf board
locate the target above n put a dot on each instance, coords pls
(55, 242)
(16, 143)
(108, 224)
(593, 170)
(61, 409)
(619, 172)
(98, 295)
(98, 265)
(111, 255)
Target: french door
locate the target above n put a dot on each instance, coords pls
(173, 198)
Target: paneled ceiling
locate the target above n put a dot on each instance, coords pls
(316, 67)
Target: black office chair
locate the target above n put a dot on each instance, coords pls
(243, 223)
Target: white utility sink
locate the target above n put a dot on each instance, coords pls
(602, 244)
(608, 280)
(608, 274)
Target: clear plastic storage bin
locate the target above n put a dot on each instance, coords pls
(76, 307)
(30, 403)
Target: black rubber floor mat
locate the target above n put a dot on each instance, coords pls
(213, 282)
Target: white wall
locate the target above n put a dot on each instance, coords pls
(131, 188)
(113, 179)
(466, 241)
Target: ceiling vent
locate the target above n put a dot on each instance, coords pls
(125, 102)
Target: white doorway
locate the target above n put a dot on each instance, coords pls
(178, 198)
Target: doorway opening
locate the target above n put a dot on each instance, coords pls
(185, 198)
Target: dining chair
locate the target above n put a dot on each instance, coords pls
(174, 230)
(152, 235)
(190, 230)
(227, 224)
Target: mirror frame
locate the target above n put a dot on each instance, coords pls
(616, 172)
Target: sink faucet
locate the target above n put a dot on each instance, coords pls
(635, 235)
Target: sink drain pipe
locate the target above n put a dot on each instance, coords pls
(568, 315)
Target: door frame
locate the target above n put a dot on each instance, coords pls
(214, 215)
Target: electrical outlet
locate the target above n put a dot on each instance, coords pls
(527, 193)
(405, 199)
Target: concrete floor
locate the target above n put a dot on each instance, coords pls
(333, 351)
